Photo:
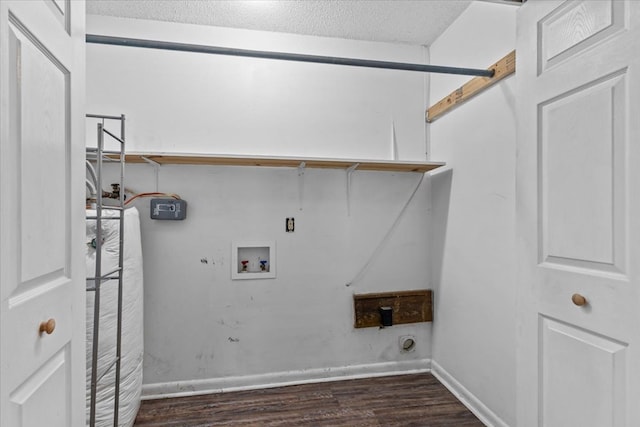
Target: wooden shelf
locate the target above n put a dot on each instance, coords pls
(291, 162)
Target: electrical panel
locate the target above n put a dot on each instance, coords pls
(171, 209)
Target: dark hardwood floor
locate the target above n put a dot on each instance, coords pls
(403, 400)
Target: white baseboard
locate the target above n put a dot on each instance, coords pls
(279, 379)
(479, 409)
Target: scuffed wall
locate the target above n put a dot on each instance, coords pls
(204, 331)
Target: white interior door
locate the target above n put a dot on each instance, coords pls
(578, 213)
(42, 213)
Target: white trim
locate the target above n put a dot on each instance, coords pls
(468, 399)
(279, 379)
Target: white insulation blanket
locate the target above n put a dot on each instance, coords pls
(132, 320)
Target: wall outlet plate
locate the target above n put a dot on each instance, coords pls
(170, 209)
(290, 225)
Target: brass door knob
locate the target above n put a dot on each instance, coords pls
(48, 327)
(578, 300)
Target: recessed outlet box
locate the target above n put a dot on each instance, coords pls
(406, 307)
(253, 260)
(170, 209)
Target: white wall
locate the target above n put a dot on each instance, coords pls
(204, 331)
(181, 102)
(474, 226)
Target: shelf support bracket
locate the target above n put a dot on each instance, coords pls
(394, 143)
(156, 168)
(301, 168)
(349, 171)
(151, 162)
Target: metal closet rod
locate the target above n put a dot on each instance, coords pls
(216, 50)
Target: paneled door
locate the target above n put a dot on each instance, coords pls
(578, 213)
(42, 213)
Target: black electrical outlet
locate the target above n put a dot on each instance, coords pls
(386, 316)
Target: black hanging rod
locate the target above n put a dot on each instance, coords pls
(185, 47)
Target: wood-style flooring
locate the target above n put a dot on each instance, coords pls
(403, 400)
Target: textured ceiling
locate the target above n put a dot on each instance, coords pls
(397, 21)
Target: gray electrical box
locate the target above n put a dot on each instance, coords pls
(172, 209)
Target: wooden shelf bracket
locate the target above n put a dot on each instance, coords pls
(503, 68)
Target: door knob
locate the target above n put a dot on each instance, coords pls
(578, 300)
(48, 327)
